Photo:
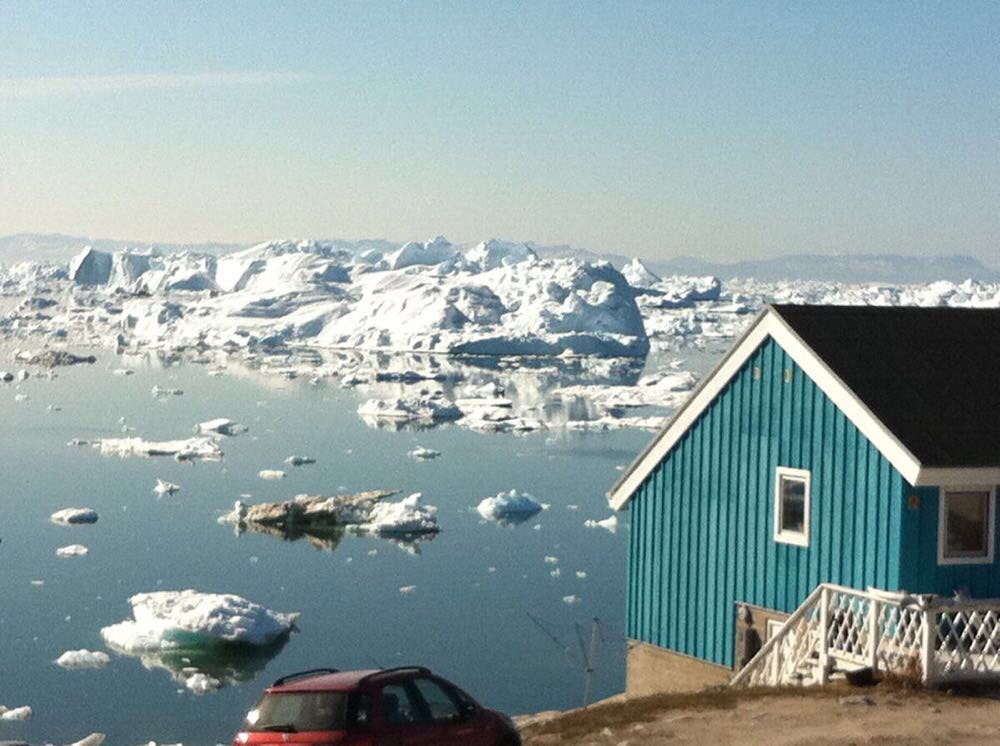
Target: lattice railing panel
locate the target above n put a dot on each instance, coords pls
(967, 643)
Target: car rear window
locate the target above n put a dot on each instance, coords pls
(293, 712)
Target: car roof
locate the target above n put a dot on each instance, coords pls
(340, 681)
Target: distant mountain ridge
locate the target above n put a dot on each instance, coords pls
(889, 268)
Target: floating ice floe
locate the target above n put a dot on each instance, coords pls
(571, 599)
(164, 487)
(202, 683)
(510, 507)
(162, 393)
(16, 713)
(272, 474)
(198, 448)
(406, 589)
(220, 426)
(433, 407)
(608, 524)
(365, 512)
(94, 739)
(165, 620)
(299, 460)
(423, 454)
(74, 516)
(83, 659)
(73, 550)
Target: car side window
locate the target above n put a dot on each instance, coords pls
(360, 712)
(401, 706)
(439, 702)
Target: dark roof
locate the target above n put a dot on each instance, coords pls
(930, 375)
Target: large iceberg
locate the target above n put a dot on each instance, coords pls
(165, 620)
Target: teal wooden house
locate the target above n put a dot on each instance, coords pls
(825, 501)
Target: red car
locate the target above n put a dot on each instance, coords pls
(407, 706)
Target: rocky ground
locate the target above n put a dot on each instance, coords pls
(877, 715)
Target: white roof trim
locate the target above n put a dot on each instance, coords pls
(957, 476)
(768, 324)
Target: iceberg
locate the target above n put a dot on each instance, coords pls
(638, 274)
(204, 448)
(16, 713)
(168, 620)
(71, 516)
(76, 659)
(221, 426)
(165, 488)
(609, 524)
(512, 506)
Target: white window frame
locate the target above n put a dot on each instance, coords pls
(792, 537)
(991, 513)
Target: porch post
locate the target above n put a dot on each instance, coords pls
(928, 638)
(824, 634)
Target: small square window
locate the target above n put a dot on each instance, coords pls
(791, 506)
(966, 527)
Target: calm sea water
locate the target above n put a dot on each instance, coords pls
(506, 635)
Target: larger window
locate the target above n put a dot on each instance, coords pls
(966, 526)
(791, 506)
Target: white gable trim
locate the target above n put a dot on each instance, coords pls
(768, 324)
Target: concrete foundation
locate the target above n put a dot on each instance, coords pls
(652, 670)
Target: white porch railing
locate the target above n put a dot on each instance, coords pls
(838, 629)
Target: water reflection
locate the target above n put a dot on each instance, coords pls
(206, 669)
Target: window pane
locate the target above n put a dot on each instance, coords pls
(399, 707)
(967, 517)
(299, 711)
(793, 505)
(441, 706)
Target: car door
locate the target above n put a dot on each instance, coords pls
(457, 717)
(404, 719)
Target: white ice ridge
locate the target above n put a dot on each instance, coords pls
(74, 516)
(165, 620)
(202, 447)
(495, 299)
(507, 504)
(83, 659)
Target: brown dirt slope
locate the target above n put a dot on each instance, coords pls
(836, 715)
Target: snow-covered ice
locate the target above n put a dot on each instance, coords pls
(83, 659)
(74, 516)
(423, 454)
(164, 620)
(23, 712)
(608, 524)
(512, 505)
(271, 474)
(190, 449)
(72, 550)
(164, 487)
(220, 426)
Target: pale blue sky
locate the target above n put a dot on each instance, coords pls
(717, 129)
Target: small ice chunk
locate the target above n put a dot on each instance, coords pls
(509, 504)
(580, 574)
(221, 426)
(74, 516)
(38, 583)
(571, 599)
(78, 442)
(202, 683)
(94, 739)
(423, 454)
(299, 460)
(83, 659)
(161, 393)
(73, 550)
(271, 474)
(407, 588)
(165, 620)
(608, 524)
(556, 573)
(550, 560)
(123, 372)
(165, 488)
(16, 713)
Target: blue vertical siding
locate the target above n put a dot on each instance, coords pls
(703, 521)
(921, 572)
